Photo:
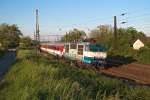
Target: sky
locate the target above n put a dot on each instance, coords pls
(60, 16)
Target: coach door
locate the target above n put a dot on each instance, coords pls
(67, 48)
(80, 49)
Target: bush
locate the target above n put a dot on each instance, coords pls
(143, 55)
(25, 42)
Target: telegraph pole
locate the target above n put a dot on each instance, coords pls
(115, 34)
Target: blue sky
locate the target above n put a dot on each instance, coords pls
(69, 14)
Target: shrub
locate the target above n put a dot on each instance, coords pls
(143, 55)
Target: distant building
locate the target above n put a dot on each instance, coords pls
(138, 44)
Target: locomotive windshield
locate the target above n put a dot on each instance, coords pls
(95, 48)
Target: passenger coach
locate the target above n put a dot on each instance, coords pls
(86, 52)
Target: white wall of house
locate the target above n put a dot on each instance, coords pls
(138, 44)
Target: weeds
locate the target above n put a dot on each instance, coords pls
(54, 80)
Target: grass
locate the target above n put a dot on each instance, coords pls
(143, 55)
(47, 79)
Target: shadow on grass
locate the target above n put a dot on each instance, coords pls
(42, 94)
(116, 61)
(3, 84)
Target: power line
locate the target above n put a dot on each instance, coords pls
(103, 20)
(142, 15)
(123, 14)
(136, 11)
(109, 19)
(145, 25)
(131, 13)
(89, 21)
(135, 18)
(148, 27)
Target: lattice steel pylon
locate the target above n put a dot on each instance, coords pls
(37, 32)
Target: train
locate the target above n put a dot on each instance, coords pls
(86, 52)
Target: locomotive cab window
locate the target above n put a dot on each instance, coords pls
(73, 46)
(67, 48)
(80, 49)
(96, 48)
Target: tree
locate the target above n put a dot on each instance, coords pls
(129, 35)
(9, 35)
(74, 35)
(25, 42)
(101, 32)
(103, 35)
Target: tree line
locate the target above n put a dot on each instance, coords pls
(12, 37)
(103, 35)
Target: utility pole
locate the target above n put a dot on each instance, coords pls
(37, 34)
(34, 36)
(115, 34)
(37, 27)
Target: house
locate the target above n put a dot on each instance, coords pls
(138, 44)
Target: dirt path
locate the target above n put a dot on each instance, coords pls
(6, 61)
(134, 71)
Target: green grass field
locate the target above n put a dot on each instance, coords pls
(32, 78)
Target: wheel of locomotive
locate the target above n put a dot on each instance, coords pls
(86, 65)
(93, 65)
(67, 61)
(76, 63)
(104, 65)
(57, 56)
(97, 67)
(80, 64)
(72, 63)
(62, 57)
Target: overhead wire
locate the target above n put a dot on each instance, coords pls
(127, 18)
(109, 20)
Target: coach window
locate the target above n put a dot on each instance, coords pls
(67, 48)
(87, 48)
(73, 46)
(80, 49)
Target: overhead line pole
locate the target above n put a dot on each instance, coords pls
(115, 34)
(37, 27)
(37, 34)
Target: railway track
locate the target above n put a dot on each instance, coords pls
(132, 74)
(137, 72)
